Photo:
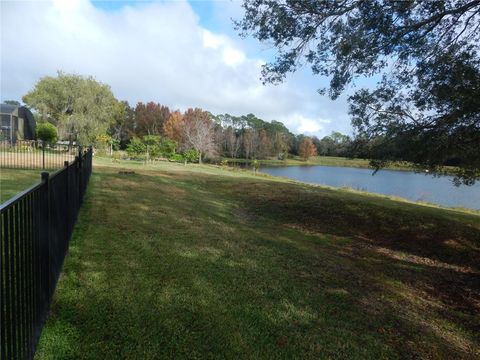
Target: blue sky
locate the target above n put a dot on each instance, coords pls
(178, 53)
(205, 10)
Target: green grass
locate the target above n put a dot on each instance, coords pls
(200, 262)
(13, 181)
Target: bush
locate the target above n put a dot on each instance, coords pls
(136, 148)
(116, 156)
(153, 151)
(47, 132)
(176, 158)
(153, 146)
(168, 147)
(115, 144)
(191, 155)
(255, 165)
(152, 140)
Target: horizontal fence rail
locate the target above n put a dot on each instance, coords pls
(35, 230)
(32, 154)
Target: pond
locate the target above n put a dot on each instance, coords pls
(405, 184)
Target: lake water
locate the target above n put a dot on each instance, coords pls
(405, 184)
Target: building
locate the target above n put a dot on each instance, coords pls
(16, 123)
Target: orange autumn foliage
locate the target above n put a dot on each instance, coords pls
(173, 126)
(307, 148)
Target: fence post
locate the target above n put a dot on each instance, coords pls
(80, 157)
(43, 154)
(78, 170)
(90, 160)
(47, 234)
(67, 198)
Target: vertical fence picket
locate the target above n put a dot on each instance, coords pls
(3, 344)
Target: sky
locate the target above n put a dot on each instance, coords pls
(178, 53)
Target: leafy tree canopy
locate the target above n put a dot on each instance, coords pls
(307, 148)
(426, 105)
(150, 118)
(81, 107)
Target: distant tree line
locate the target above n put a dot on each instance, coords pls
(85, 111)
(214, 136)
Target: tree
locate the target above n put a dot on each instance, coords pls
(227, 120)
(104, 143)
(281, 145)
(136, 147)
(122, 127)
(173, 126)
(150, 118)
(80, 107)
(47, 132)
(198, 131)
(426, 105)
(264, 147)
(250, 143)
(336, 144)
(307, 148)
(232, 141)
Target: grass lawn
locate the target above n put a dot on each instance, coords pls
(13, 181)
(200, 262)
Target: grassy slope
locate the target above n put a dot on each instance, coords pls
(13, 181)
(199, 262)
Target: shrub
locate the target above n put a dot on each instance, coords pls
(176, 158)
(115, 144)
(116, 156)
(47, 132)
(168, 147)
(152, 145)
(256, 165)
(191, 155)
(153, 151)
(136, 148)
(152, 140)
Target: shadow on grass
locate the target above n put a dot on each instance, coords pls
(210, 267)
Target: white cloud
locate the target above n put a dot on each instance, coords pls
(231, 56)
(305, 125)
(156, 52)
(310, 126)
(210, 40)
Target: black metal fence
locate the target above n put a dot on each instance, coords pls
(35, 229)
(32, 154)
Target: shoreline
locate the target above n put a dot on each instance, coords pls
(335, 162)
(375, 194)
